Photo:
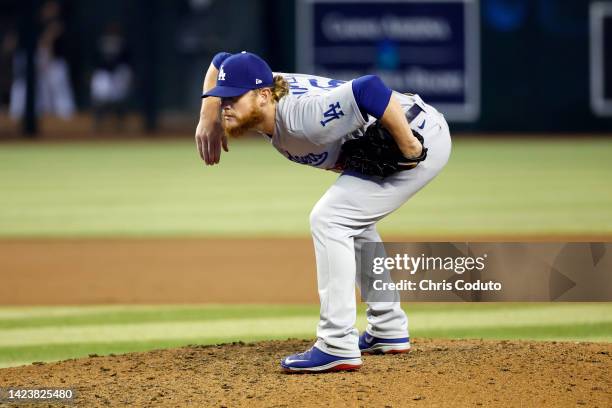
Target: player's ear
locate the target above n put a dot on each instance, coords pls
(266, 95)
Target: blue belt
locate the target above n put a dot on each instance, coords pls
(413, 112)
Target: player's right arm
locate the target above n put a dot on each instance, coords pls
(209, 135)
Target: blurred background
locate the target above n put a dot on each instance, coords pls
(115, 237)
(495, 65)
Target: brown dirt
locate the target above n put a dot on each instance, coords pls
(447, 373)
(220, 270)
(443, 373)
(139, 271)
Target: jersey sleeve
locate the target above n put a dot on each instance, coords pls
(330, 116)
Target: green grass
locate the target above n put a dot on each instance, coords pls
(161, 189)
(53, 333)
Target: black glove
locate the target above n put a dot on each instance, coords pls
(377, 154)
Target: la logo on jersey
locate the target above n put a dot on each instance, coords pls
(221, 76)
(332, 113)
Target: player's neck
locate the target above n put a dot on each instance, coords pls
(267, 126)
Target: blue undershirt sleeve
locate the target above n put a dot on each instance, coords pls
(372, 95)
(219, 58)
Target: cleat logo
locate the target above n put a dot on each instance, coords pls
(290, 360)
(368, 338)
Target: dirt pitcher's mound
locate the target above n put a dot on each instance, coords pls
(436, 373)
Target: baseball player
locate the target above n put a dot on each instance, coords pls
(386, 145)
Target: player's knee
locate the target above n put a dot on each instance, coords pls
(325, 221)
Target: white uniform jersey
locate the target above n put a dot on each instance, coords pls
(319, 115)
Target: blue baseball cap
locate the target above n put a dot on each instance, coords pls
(239, 74)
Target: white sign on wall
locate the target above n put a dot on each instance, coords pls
(601, 58)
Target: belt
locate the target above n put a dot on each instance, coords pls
(413, 112)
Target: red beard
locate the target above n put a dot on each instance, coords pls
(244, 124)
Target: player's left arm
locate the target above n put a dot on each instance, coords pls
(374, 98)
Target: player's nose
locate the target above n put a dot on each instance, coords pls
(226, 103)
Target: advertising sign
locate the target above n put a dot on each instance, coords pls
(601, 58)
(429, 47)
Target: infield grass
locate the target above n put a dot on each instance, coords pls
(30, 334)
(161, 189)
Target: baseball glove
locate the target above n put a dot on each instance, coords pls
(377, 154)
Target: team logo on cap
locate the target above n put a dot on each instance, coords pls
(221, 76)
(258, 81)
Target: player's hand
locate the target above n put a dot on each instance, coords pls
(411, 149)
(209, 138)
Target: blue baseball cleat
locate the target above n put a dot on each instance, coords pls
(317, 361)
(369, 344)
